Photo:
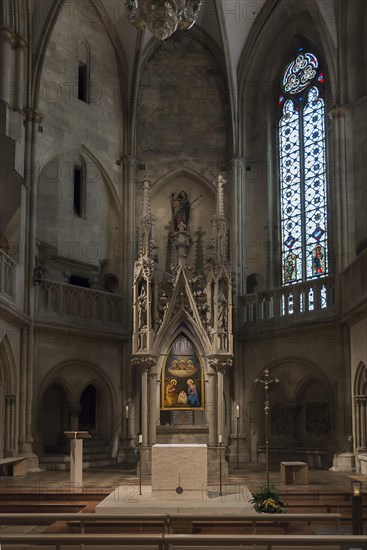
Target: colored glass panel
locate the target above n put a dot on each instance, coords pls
(303, 185)
(290, 174)
(315, 185)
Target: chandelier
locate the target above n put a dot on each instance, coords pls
(163, 17)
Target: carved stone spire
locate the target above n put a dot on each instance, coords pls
(219, 255)
(147, 248)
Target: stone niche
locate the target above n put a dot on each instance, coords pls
(179, 465)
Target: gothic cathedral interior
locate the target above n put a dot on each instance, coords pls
(183, 231)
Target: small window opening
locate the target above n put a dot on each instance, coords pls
(78, 191)
(83, 82)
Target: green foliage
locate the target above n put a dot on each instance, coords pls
(267, 500)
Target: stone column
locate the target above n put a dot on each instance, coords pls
(357, 414)
(33, 119)
(23, 388)
(220, 424)
(344, 193)
(74, 411)
(7, 43)
(144, 405)
(20, 53)
(9, 449)
(237, 190)
(129, 228)
(363, 411)
(212, 408)
(153, 411)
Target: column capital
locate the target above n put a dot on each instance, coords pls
(8, 35)
(337, 111)
(21, 41)
(220, 364)
(32, 115)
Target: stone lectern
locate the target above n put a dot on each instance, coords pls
(76, 457)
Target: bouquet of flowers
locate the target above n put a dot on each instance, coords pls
(267, 500)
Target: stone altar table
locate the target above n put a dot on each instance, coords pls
(179, 465)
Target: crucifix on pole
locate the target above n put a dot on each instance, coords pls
(266, 380)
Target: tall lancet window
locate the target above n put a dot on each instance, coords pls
(302, 167)
(83, 71)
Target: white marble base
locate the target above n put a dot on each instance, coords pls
(184, 465)
(343, 462)
(126, 499)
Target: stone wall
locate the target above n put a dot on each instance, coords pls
(182, 119)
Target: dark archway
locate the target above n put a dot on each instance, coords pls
(88, 409)
(54, 419)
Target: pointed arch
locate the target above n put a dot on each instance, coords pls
(360, 407)
(46, 24)
(182, 172)
(78, 151)
(281, 27)
(182, 371)
(174, 319)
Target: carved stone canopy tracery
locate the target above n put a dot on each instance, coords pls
(220, 364)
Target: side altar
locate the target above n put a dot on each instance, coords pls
(182, 343)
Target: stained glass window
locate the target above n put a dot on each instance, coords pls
(303, 185)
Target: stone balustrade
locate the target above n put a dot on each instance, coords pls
(7, 276)
(57, 301)
(293, 301)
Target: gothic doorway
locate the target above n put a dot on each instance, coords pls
(88, 409)
(54, 419)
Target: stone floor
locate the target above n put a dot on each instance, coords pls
(99, 483)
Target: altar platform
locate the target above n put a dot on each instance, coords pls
(235, 500)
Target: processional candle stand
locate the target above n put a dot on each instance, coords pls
(266, 380)
(220, 464)
(140, 458)
(237, 436)
(127, 428)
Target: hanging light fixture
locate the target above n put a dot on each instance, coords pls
(163, 17)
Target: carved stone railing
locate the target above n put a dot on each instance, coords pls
(354, 283)
(290, 302)
(7, 275)
(60, 301)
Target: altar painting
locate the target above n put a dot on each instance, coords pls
(182, 378)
